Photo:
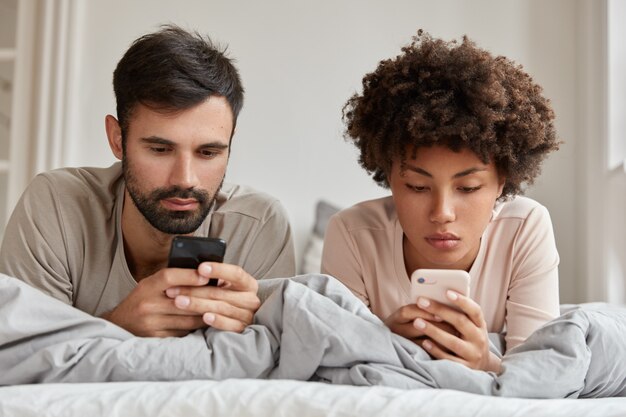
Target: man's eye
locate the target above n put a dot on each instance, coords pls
(158, 149)
(208, 153)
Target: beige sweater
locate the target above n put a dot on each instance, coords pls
(65, 238)
(514, 277)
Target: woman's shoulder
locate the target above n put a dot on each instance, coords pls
(520, 208)
(371, 214)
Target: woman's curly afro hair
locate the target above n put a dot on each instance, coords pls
(456, 95)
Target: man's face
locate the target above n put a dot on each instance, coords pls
(444, 200)
(174, 163)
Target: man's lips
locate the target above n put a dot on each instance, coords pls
(180, 204)
(443, 241)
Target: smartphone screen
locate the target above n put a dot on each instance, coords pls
(191, 251)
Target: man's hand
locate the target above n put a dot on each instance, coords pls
(147, 311)
(175, 302)
(229, 306)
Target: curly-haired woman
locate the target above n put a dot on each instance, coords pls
(456, 134)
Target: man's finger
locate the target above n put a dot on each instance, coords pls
(233, 276)
(247, 300)
(203, 305)
(220, 322)
(230, 276)
(174, 277)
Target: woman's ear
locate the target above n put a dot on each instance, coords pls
(501, 186)
(114, 134)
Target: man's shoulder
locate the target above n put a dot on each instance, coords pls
(73, 193)
(246, 201)
(82, 182)
(374, 214)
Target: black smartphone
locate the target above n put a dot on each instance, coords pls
(190, 251)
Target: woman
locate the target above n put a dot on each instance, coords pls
(455, 134)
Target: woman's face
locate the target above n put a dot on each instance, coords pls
(444, 201)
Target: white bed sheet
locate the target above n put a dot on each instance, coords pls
(246, 397)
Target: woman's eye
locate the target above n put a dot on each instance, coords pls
(469, 189)
(417, 188)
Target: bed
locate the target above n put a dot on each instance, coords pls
(76, 349)
(247, 397)
(299, 363)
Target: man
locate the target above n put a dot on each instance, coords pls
(99, 238)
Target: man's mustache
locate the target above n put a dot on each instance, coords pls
(162, 193)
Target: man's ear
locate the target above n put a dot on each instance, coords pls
(114, 134)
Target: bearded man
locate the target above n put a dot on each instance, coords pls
(99, 238)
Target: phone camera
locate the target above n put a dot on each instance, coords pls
(421, 280)
(179, 244)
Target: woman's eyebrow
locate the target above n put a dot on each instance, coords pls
(468, 172)
(463, 173)
(418, 170)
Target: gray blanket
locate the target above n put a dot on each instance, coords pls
(308, 328)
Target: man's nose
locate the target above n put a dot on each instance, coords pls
(183, 173)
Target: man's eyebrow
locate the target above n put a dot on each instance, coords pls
(214, 145)
(463, 173)
(157, 140)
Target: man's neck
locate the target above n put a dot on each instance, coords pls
(145, 248)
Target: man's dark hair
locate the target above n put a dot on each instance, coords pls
(455, 95)
(172, 70)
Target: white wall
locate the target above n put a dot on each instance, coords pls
(616, 153)
(300, 61)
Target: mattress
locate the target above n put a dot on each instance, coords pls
(249, 397)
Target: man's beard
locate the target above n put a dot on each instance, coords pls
(172, 222)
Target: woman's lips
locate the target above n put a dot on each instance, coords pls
(178, 204)
(443, 241)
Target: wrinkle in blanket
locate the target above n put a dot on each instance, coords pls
(308, 328)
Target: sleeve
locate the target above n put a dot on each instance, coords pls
(533, 296)
(34, 245)
(341, 258)
(272, 253)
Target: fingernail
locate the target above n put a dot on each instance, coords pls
(172, 292)
(182, 301)
(452, 295)
(419, 323)
(423, 302)
(208, 318)
(205, 269)
(427, 345)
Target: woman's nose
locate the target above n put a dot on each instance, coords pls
(442, 210)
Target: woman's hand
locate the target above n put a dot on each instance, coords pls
(468, 343)
(402, 322)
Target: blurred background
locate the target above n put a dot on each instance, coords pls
(300, 61)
